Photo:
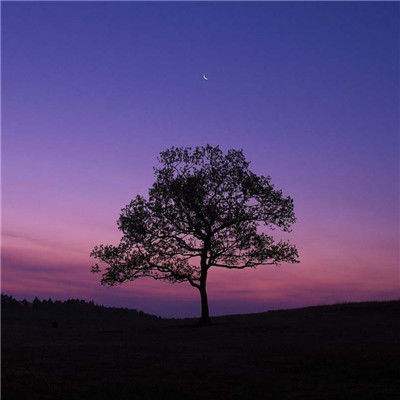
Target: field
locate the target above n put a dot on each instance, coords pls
(348, 351)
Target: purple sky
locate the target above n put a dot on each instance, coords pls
(92, 92)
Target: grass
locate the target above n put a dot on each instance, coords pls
(346, 351)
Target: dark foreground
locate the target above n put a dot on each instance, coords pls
(333, 352)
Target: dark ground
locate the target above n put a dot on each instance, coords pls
(332, 352)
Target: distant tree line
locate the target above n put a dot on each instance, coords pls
(70, 307)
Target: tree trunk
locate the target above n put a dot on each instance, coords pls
(205, 315)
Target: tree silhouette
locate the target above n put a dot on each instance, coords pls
(206, 209)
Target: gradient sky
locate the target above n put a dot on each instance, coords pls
(92, 92)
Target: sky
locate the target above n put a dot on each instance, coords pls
(92, 92)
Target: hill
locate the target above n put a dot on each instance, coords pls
(346, 351)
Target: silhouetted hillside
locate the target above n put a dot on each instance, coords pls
(343, 351)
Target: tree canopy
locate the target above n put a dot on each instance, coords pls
(205, 209)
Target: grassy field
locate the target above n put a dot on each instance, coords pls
(336, 352)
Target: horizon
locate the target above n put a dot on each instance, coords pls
(54, 300)
(92, 92)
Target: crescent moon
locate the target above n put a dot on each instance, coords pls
(205, 77)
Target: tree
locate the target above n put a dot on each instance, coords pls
(206, 209)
